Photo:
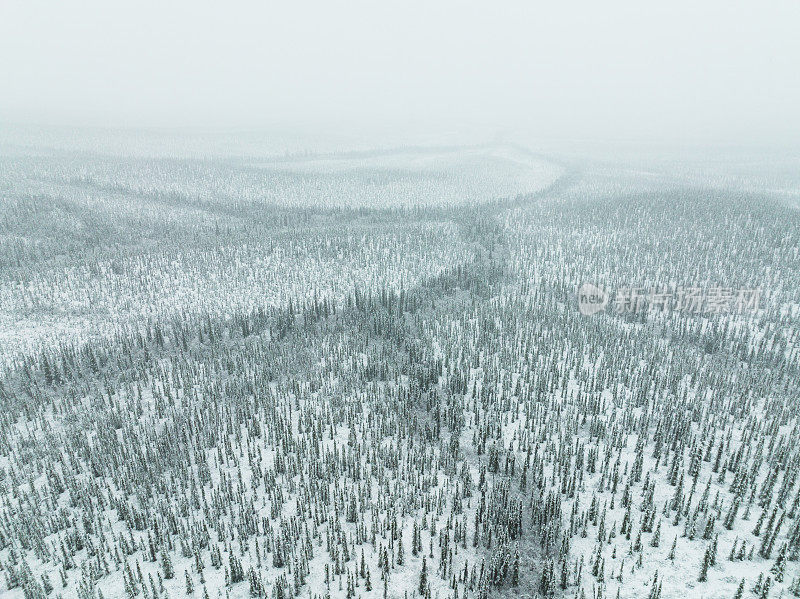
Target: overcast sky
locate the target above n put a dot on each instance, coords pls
(639, 69)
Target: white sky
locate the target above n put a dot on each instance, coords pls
(609, 69)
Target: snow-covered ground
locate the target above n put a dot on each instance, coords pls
(220, 394)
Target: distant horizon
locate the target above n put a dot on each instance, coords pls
(711, 71)
(414, 130)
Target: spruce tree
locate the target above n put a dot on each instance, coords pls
(704, 567)
(765, 588)
(166, 565)
(400, 556)
(423, 577)
(779, 566)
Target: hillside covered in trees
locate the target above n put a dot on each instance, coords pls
(366, 374)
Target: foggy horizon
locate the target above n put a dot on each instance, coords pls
(715, 72)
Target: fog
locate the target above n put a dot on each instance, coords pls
(710, 70)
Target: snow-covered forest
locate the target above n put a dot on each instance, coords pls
(364, 373)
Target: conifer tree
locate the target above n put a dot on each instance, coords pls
(704, 566)
(166, 565)
(423, 577)
(740, 590)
